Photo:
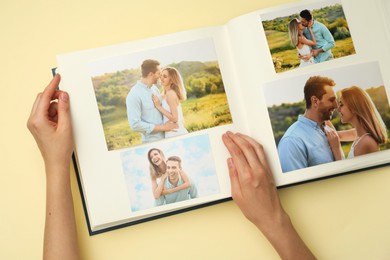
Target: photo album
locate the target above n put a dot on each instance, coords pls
(309, 81)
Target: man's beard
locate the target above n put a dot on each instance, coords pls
(326, 114)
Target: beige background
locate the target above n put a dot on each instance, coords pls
(341, 218)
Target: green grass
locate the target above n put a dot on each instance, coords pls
(201, 113)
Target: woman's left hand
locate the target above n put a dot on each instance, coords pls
(156, 101)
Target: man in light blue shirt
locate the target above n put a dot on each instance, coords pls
(173, 180)
(325, 41)
(142, 115)
(305, 144)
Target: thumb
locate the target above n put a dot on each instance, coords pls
(63, 109)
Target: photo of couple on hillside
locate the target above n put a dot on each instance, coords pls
(311, 36)
(328, 116)
(160, 93)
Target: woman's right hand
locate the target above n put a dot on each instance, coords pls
(51, 126)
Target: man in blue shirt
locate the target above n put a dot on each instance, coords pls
(325, 41)
(304, 144)
(143, 116)
(173, 180)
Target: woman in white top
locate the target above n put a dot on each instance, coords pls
(303, 45)
(158, 175)
(356, 108)
(173, 94)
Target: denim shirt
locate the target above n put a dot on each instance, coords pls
(141, 112)
(324, 40)
(303, 145)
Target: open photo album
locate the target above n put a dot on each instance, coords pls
(310, 81)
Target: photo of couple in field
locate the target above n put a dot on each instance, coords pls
(170, 172)
(160, 93)
(328, 116)
(314, 34)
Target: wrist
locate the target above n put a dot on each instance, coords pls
(58, 170)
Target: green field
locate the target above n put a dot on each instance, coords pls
(199, 113)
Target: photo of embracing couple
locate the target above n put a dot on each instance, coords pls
(153, 114)
(159, 93)
(313, 140)
(170, 183)
(170, 172)
(313, 40)
(328, 116)
(314, 34)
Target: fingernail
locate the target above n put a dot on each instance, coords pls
(64, 97)
(230, 162)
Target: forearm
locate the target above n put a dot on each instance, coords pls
(169, 126)
(159, 189)
(175, 189)
(167, 114)
(347, 135)
(60, 239)
(286, 241)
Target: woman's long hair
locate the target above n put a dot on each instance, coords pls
(293, 31)
(177, 84)
(361, 105)
(154, 169)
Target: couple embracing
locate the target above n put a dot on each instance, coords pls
(156, 116)
(170, 183)
(312, 39)
(313, 140)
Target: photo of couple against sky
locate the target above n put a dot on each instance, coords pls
(311, 34)
(196, 65)
(197, 163)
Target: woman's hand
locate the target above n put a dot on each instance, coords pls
(156, 101)
(50, 124)
(253, 187)
(254, 191)
(334, 142)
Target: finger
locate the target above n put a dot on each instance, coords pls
(63, 110)
(32, 118)
(36, 102)
(49, 94)
(234, 181)
(258, 148)
(53, 115)
(236, 153)
(247, 149)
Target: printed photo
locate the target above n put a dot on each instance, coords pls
(161, 93)
(307, 35)
(330, 115)
(170, 172)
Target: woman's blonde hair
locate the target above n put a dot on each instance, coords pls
(358, 101)
(293, 31)
(154, 169)
(177, 83)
